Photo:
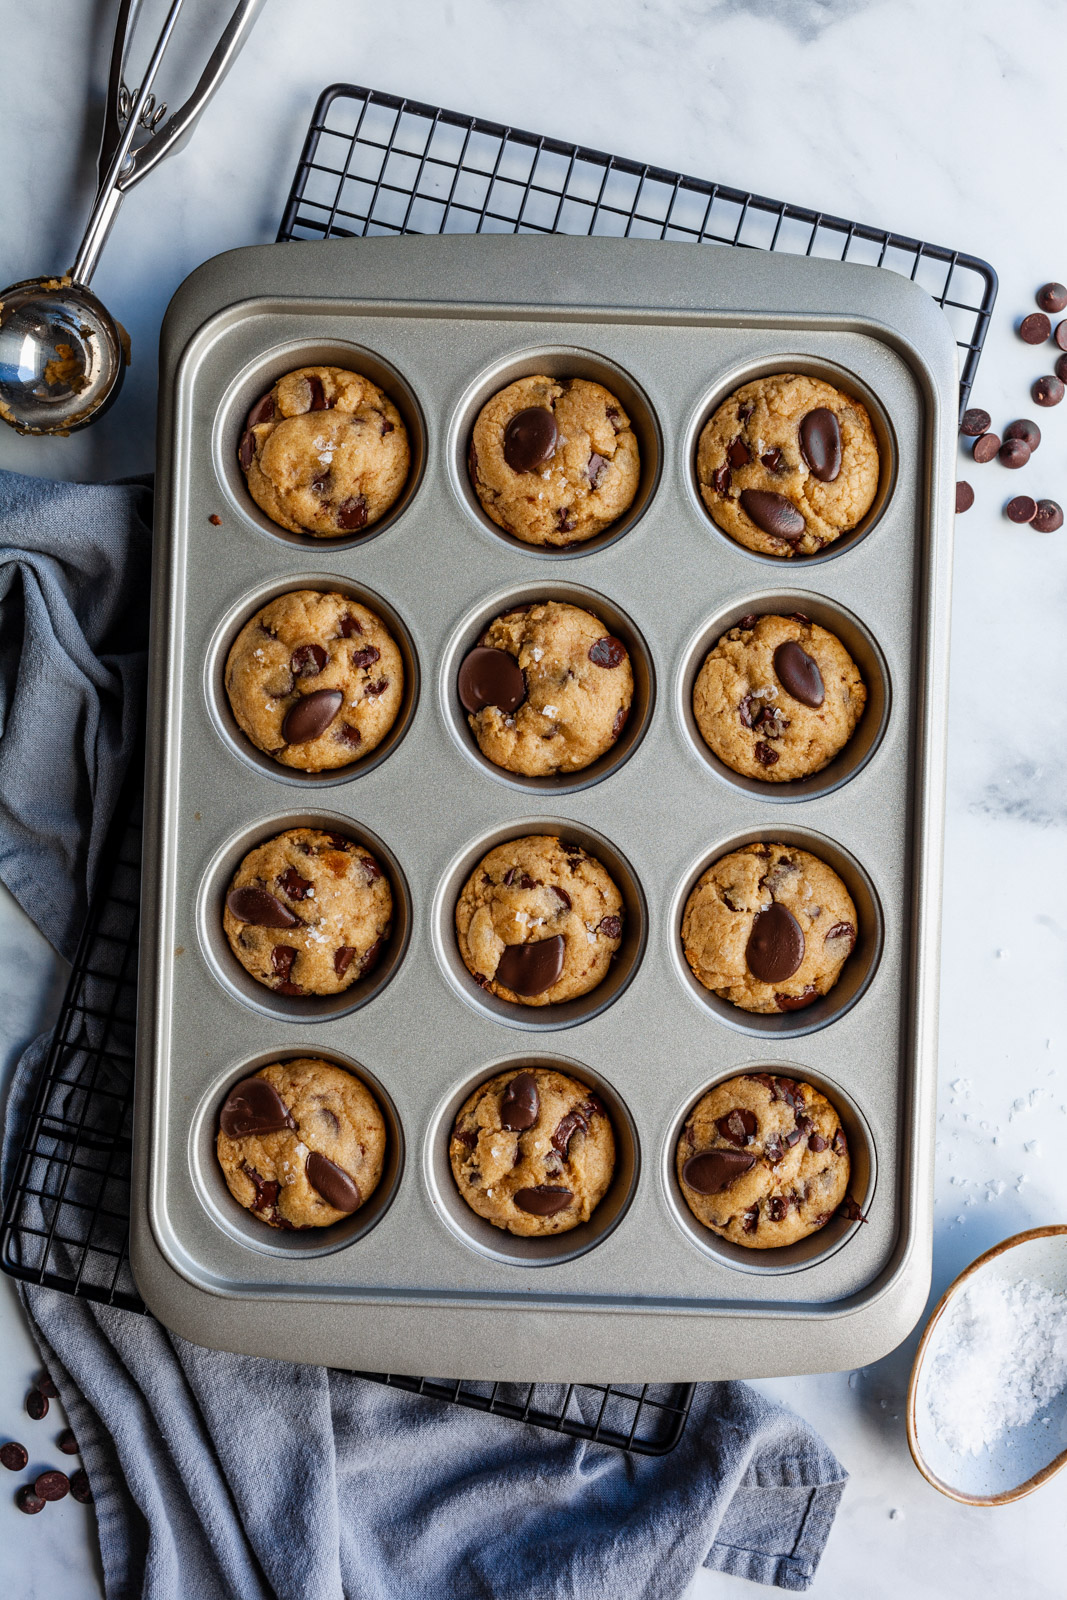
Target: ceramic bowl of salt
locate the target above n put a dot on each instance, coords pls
(987, 1401)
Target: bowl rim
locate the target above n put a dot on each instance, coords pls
(1006, 1496)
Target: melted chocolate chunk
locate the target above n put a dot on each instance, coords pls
(365, 657)
(750, 1220)
(816, 1143)
(260, 908)
(543, 1200)
(842, 930)
(332, 1182)
(489, 677)
(262, 411)
(520, 1103)
(799, 674)
(596, 469)
(343, 957)
(610, 927)
(308, 661)
(738, 455)
(797, 1002)
(370, 867)
(562, 895)
(266, 1195)
(349, 625)
(254, 1106)
(715, 1170)
(375, 689)
(738, 1127)
(607, 652)
(775, 946)
(774, 514)
(281, 960)
(720, 480)
(773, 460)
(371, 958)
(516, 876)
(530, 969)
(848, 1208)
(352, 513)
(294, 886)
(575, 1121)
(346, 734)
(319, 401)
(620, 722)
(764, 754)
(530, 439)
(820, 444)
(311, 715)
(465, 1136)
(565, 519)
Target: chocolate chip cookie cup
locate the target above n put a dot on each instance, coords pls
(751, 709)
(553, 895)
(282, 919)
(765, 1138)
(244, 1225)
(389, 679)
(340, 483)
(768, 952)
(616, 663)
(594, 1135)
(791, 460)
(532, 435)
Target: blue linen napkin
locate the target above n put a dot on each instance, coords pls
(217, 1475)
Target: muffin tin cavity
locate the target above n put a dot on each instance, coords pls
(857, 972)
(818, 1246)
(558, 361)
(861, 646)
(259, 376)
(228, 970)
(508, 1248)
(565, 1014)
(616, 623)
(840, 378)
(218, 704)
(210, 1188)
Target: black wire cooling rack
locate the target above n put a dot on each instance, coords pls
(376, 164)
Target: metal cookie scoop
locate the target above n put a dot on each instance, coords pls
(62, 356)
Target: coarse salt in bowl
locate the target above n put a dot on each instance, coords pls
(987, 1402)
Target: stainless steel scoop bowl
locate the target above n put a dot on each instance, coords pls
(62, 356)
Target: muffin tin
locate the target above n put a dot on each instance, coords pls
(415, 1281)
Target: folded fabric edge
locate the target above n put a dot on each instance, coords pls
(793, 1569)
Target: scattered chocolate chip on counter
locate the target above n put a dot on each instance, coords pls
(975, 422)
(215, 520)
(1021, 509)
(964, 497)
(1048, 516)
(1048, 391)
(36, 1405)
(47, 1387)
(1027, 431)
(13, 1455)
(1060, 369)
(1060, 335)
(51, 1485)
(29, 1502)
(1035, 328)
(79, 1487)
(986, 447)
(67, 1443)
(1051, 297)
(1014, 453)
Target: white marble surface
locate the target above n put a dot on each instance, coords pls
(940, 120)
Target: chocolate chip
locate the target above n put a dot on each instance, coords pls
(1051, 297)
(975, 422)
(607, 652)
(343, 957)
(346, 734)
(799, 674)
(778, 1207)
(850, 1210)
(610, 927)
(744, 412)
(311, 715)
(720, 480)
(1014, 453)
(773, 1150)
(797, 1002)
(365, 657)
(467, 1137)
(764, 754)
(1024, 429)
(319, 401)
(1047, 391)
(561, 895)
(748, 621)
(816, 1143)
(842, 930)
(530, 969)
(773, 460)
(986, 447)
(384, 425)
(67, 1443)
(51, 1485)
(515, 875)
(371, 958)
(246, 450)
(254, 1106)
(620, 722)
(749, 1220)
(1021, 509)
(714, 1170)
(530, 439)
(564, 519)
(266, 1195)
(965, 494)
(47, 1387)
(79, 1486)
(738, 454)
(773, 514)
(839, 1142)
(29, 1502)
(260, 908)
(294, 886)
(262, 411)
(738, 1127)
(820, 444)
(349, 625)
(1060, 369)
(281, 961)
(775, 946)
(1035, 328)
(543, 1200)
(36, 1405)
(520, 1103)
(375, 689)
(489, 677)
(371, 868)
(215, 520)
(352, 513)
(14, 1456)
(1060, 335)
(332, 1182)
(308, 661)
(1048, 516)
(596, 469)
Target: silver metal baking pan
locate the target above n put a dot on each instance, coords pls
(414, 1281)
